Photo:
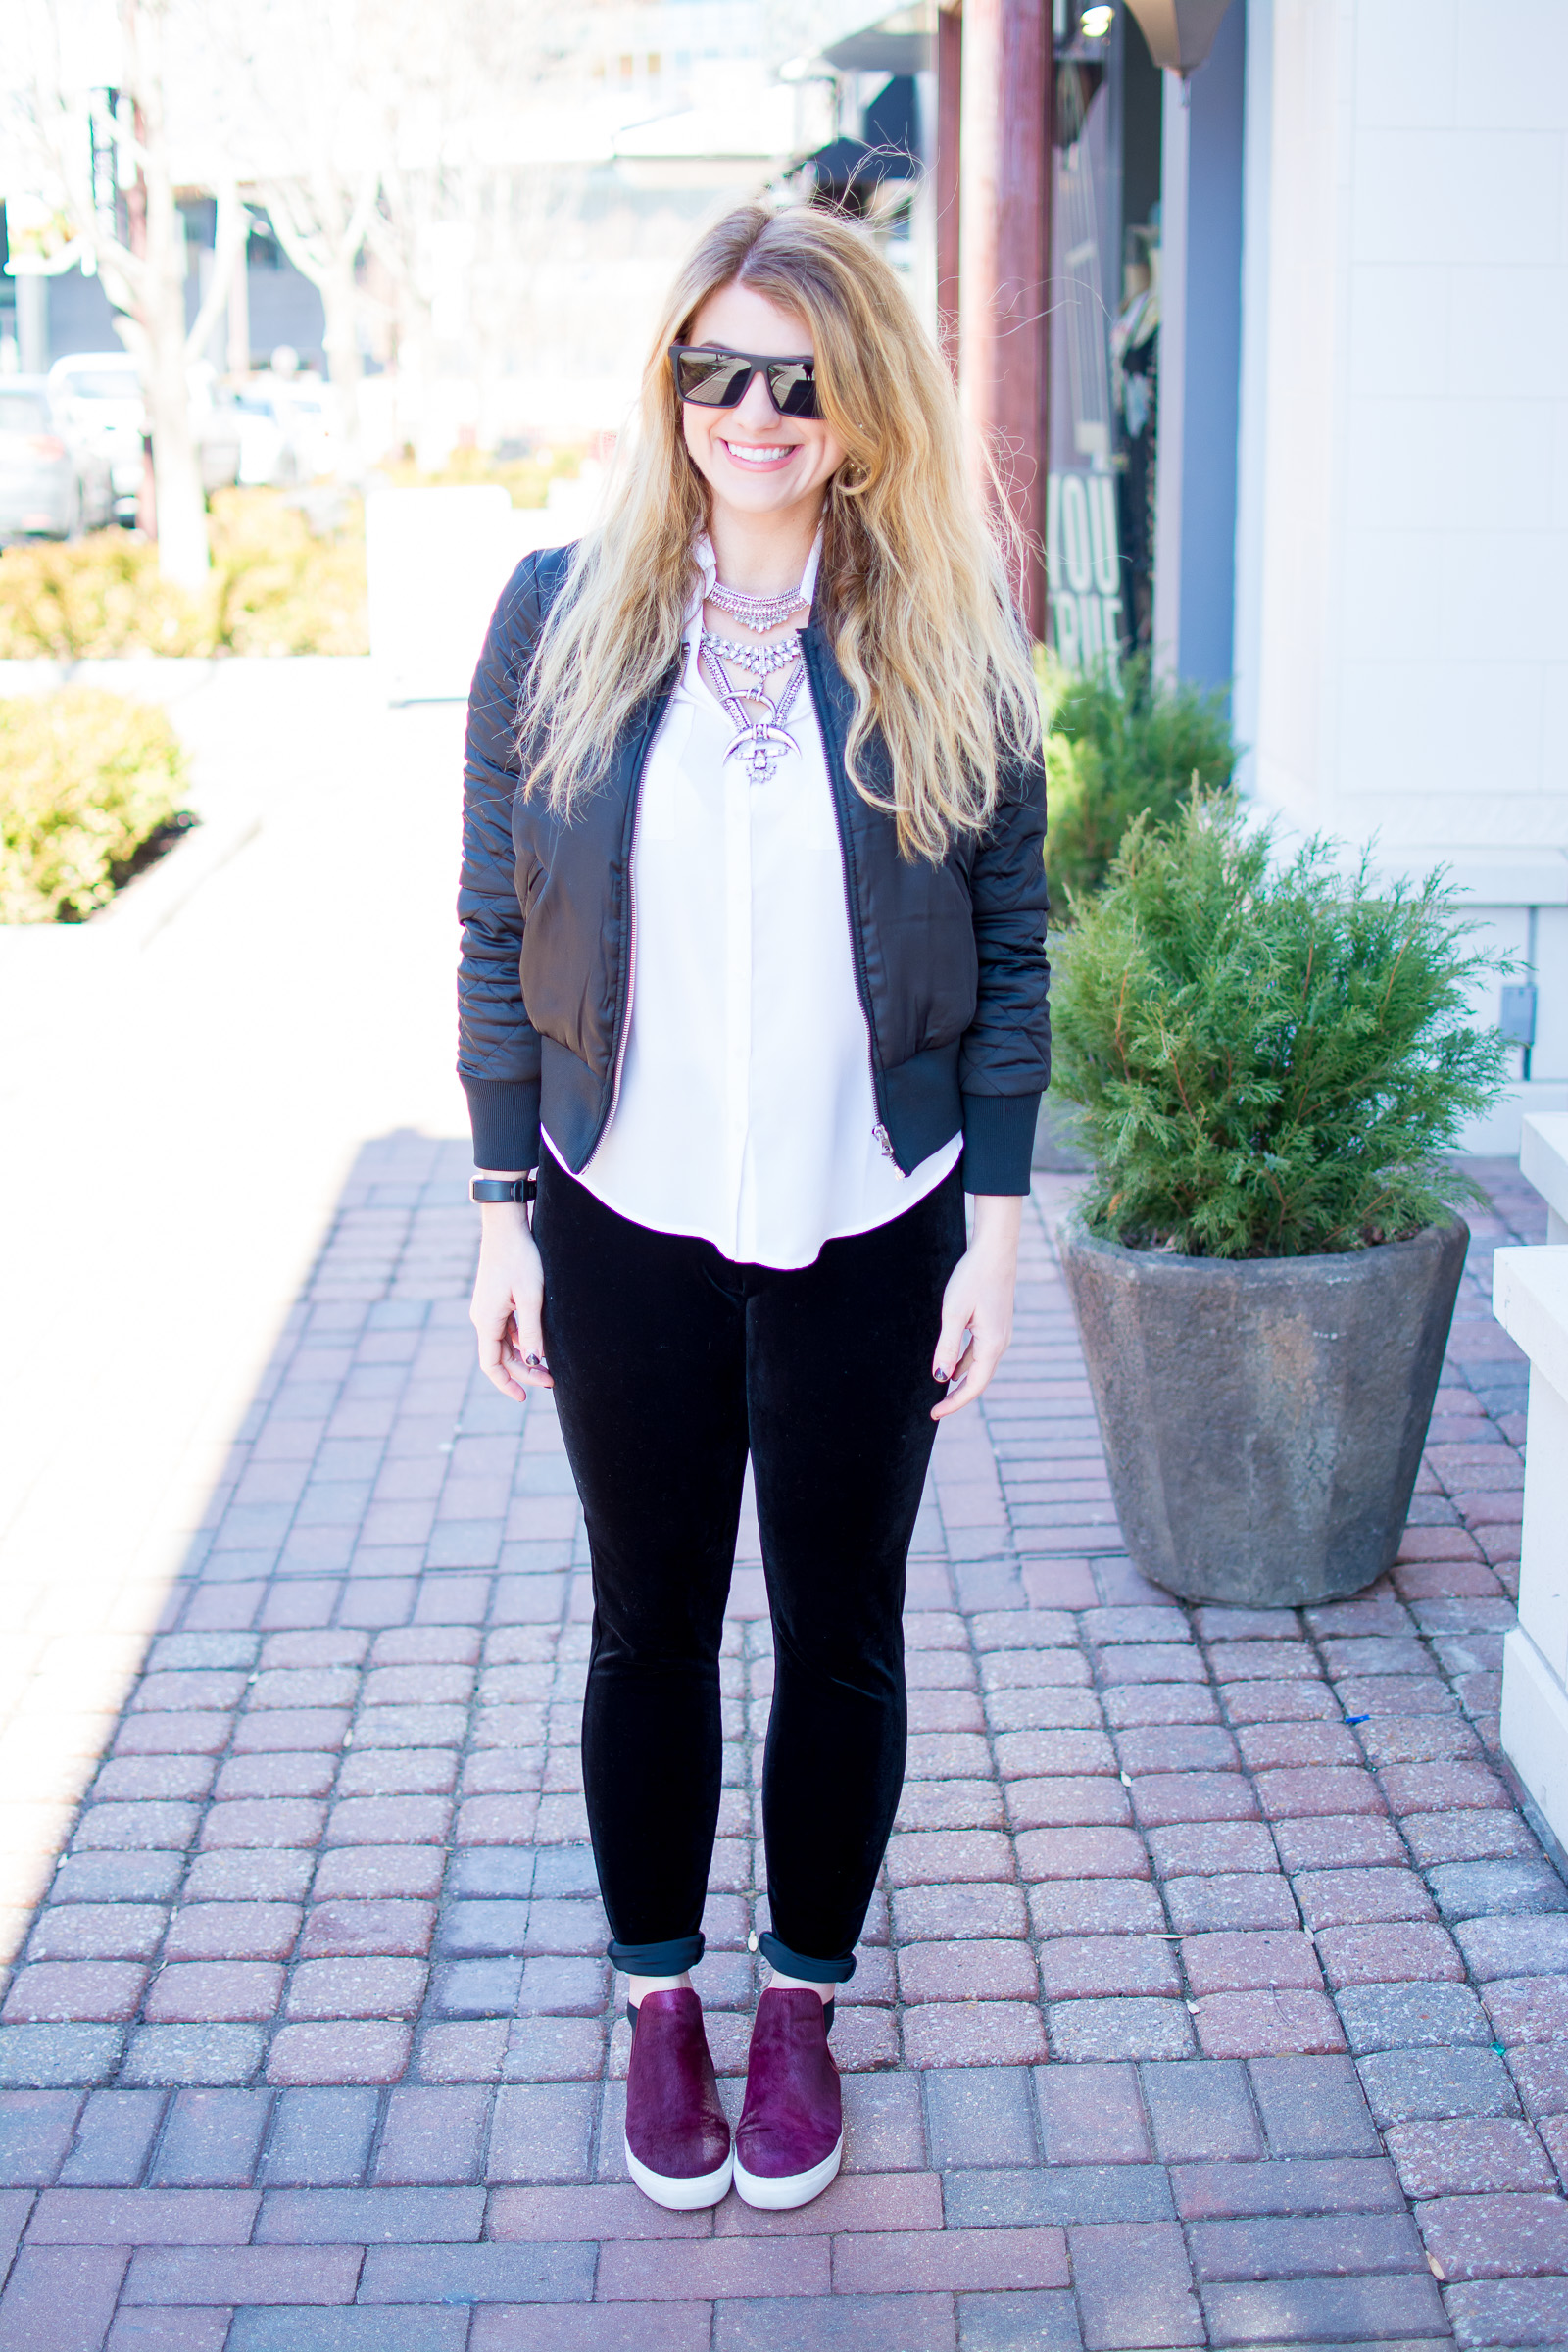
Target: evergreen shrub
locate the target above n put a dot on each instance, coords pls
(85, 780)
(1268, 1058)
(1114, 752)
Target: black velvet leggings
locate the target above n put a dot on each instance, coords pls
(671, 1364)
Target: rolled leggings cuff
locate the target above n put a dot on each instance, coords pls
(671, 1959)
(797, 1964)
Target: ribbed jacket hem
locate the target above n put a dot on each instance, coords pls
(503, 1114)
(998, 1141)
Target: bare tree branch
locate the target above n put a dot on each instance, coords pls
(230, 236)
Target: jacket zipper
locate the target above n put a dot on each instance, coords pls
(846, 859)
(624, 1038)
(617, 1057)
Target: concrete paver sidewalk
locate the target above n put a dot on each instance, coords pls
(1218, 1993)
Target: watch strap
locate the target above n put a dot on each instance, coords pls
(502, 1188)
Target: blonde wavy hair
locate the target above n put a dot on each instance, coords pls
(913, 580)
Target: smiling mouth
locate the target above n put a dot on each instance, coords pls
(760, 456)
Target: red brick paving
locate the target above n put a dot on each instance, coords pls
(1266, 2024)
(314, 2022)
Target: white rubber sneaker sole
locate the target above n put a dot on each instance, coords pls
(684, 2196)
(781, 2192)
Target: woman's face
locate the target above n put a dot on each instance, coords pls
(751, 458)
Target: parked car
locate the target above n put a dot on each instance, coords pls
(52, 481)
(268, 456)
(101, 392)
(285, 430)
(215, 426)
(314, 425)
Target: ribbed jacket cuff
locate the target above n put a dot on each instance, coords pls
(998, 1141)
(504, 1113)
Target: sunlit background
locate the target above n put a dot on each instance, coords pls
(463, 218)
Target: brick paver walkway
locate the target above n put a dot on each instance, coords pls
(1218, 1993)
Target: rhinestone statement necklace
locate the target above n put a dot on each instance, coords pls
(762, 738)
(761, 659)
(759, 614)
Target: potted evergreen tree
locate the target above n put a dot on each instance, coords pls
(1269, 1060)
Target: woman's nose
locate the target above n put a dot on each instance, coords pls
(757, 409)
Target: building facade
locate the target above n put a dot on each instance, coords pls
(1291, 375)
(1401, 574)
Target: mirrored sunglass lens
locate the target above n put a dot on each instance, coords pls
(793, 389)
(710, 380)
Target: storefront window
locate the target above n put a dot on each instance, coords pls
(1104, 338)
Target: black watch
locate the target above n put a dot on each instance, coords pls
(502, 1188)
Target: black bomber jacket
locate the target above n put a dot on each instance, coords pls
(950, 958)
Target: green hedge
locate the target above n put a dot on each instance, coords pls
(86, 780)
(275, 587)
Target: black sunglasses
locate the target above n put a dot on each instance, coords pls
(722, 379)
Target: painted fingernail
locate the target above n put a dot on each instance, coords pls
(939, 1374)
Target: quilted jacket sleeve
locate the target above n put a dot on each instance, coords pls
(1004, 1063)
(498, 1048)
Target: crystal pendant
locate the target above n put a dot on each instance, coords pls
(761, 750)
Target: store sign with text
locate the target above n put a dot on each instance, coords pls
(1083, 570)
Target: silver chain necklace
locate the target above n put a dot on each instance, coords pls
(761, 741)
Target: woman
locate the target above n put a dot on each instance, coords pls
(753, 976)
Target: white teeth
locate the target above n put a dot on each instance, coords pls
(754, 452)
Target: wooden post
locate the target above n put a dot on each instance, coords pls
(1004, 225)
(950, 83)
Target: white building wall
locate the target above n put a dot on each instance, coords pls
(1402, 659)
(1531, 1299)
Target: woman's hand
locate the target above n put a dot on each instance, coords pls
(977, 1304)
(508, 1296)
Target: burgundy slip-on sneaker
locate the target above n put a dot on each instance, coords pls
(790, 2139)
(677, 2136)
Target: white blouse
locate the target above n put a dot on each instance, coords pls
(746, 1113)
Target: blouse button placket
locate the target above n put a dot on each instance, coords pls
(737, 800)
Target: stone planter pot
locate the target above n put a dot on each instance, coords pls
(1263, 1418)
